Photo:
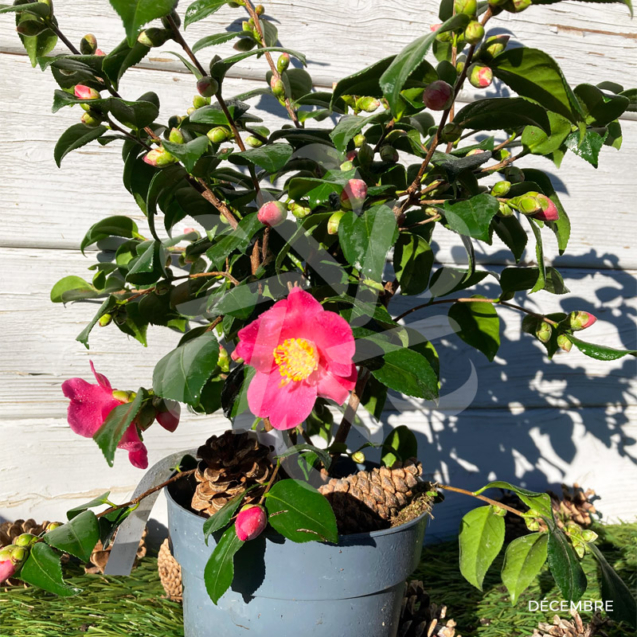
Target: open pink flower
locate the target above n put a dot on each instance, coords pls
(300, 352)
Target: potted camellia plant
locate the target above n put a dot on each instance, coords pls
(285, 295)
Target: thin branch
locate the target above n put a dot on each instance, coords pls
(179, 38)
(210, 196)
(352, 407)
(202, 275)
(494, 503)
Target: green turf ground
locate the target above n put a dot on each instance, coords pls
(134, 606)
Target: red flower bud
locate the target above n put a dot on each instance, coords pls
(85, 93)
(207, 86)
(354, 194)
(581, 320)
(549, 209)
(272, 214)
(250, 522)
(475, 151)
(480, 76)
(159, 158)
(438, 96)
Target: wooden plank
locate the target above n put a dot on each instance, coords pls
(36, 215)
(39, 350)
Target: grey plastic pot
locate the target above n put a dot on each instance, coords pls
(353, 589)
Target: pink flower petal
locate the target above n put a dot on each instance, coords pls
(137, 452)
(89, 406)
(333, 336)
(7, 569)
(337, 388)
(286, 406)
(100, 378)
(169, 420)
(259, 339)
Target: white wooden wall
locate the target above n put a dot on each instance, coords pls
(526, 420)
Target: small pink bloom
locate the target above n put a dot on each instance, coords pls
(85, 93)
(100, 53)
(549, 209)
(435, 27)
(354, 194)
(300, 352)
(7, 570)
(169, 419)
(250, 522)
(272, 214)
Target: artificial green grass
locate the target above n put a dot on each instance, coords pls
(134, 606)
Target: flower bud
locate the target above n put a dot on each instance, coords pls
(517, 6)
(389, 154)
(359, 140)
(278, 88)
(514, 175)
(367, 104)
(85, 93)
(494, 46)
(544, 332)
(52, 526)
(527, 204)
(247, 26)
(451, 132)
(7, 567)
(532, 524)
(199, 101)
(299, 211)
(219, 135)
(159, 158)
(580, 549)
(122, 396)
(191, 110)
(176, 136)
(272, 214)
(358, 457)
(105, 319)
(468, 7)
(501, 189)
(223, 361)
(498, 511)
(461, 63)
(207, 86)
(581, 320)
(88, 44)
(90, 118)
(334, 222)
(474, 32)
(549, 210)
(154, 36)
(564, 343)
(250, 522)
(438, 96)
(365, 155)
(475, 151)
(259, 9)
(283, 62)
(253, 142)
(589, 536)
(346, 166)
(505, 210)
(354, 194)
(25, 540)
(480, 76)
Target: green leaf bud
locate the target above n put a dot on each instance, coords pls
(589, 536)
(358, 457)
(389, 154)
(26, 539)
(88, 44)
(91, 118)
(176, 136)
(346, 166)
(334, 222)
(461, 63)
(367, 104)
(493, 46)
(199, 101)
(580, 549)
(174, 16)
(105, 319)
(365, 155)
(532, 524)
(517, 6)
(154, 36)
(505, 210)
(474, 32)
(499, 511)
(253, 142)
(299, 211)
(451, 132)
(219, 135)
(259, 9)
(52, 526)
(527, 204)
(501, 189)
(224, 359)
(468, 7)
(544, 332)
(564, 343)
(207, 86)
(191, 110)
(283, 62)
(247, 26)
(359, 140)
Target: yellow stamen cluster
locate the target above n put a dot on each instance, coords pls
(296, 358)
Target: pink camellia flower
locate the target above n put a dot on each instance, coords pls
(91, 404)
(85, 93)
(250, 522)
(300, 352)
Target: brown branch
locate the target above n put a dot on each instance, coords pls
(210, 196)
(202, 275)
(352, 407)
(214, 324)
(494, 503)
(179, 38)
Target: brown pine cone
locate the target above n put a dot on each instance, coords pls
(575, 628)
(230, 464)
(170, 573)
(100, 555)
(419, 617)
(368, 500)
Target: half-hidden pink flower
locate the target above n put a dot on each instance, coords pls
(7, 569)
(250, 522)
(85, 92)
(300, 352)
(549, 210)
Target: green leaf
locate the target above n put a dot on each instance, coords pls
(202, 9)
(365, 240)
(540, 143)
(394, 78)
(77, 537)
(164, 180)
(148, 267)
(300, 513)
(413, 260)
(400, 445)
(217, 38)
(109, 304)
(512, 234)
(365, 82)
(72, 288)
(518, 279)
(121, 58)
(134, 114)
(614, 588)
(472, 217)
(540, 502)
(114, 427)
(190, 152)
(36, 8)
(37, 46)
(565, 566)
(409, 373)
(317, 191)
(95, 502)
(351, 125)
(588, 148)
(502, 113)
(238, 240)
(136, 13)
(601, 352)
(117, 226)
(478, 325)
(539, 254)
(271, 157)
(220, 68)
(304, 448)
(74, 137)
(182, 373)
(42, 569)
(219, 571)
(523, 562)
(481, 538)
(239, 302)
(534, 74)
(601, 108)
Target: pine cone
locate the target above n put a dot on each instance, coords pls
(100, 555)
(575, 628)
(420, 618)
(230, 464)
(368, 500)
(170, 573)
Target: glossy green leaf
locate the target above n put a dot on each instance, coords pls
(538, 142)
(121, 58)
(219, 571)
(217, 38)
(317, 191)
(518, 279)
(95, 502)
(565, 567)
(365, 82)
(182, 373)
(37, 46)
(540, 502)
(148, 267)
(523, 561)
(601, 352)
(201, 9)
(413, 260)
(478, 325)
(72, 288)
(190, 152)
(77, 537)
(134, 114)
(300, 513)
(36, 8)
(588, 148)
(163, 181)
(239, 302)
(481, 538)
(601, 109)
(539, 255)
(220, 68)
(400, 445)
(271, 157)
(512, 234)
(114, 427)
(117, 226)
(472, 217)
(75, 137)
(502, 113)
(409, 373)
(136, 13)
(42, 569)
(351, 125)
(238, 240)
(534, 74)
(109, 304)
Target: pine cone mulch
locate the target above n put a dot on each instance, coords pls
(170, 573)
(100, 555)
(230, 464)
(419, 617)
(575, 628)
(370, 500)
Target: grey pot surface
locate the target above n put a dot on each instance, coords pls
(314, 589)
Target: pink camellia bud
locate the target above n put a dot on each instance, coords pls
(100, 53)
(354, 194)
(549, 209)
(251, 522)
(159, 157)
(475, 151)
(480, 76)
(272, 214)
(207, 86)
(435, 27)
(581, 320)
(85, 93)
(438, 96)
(7, 567)
(352, 155)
